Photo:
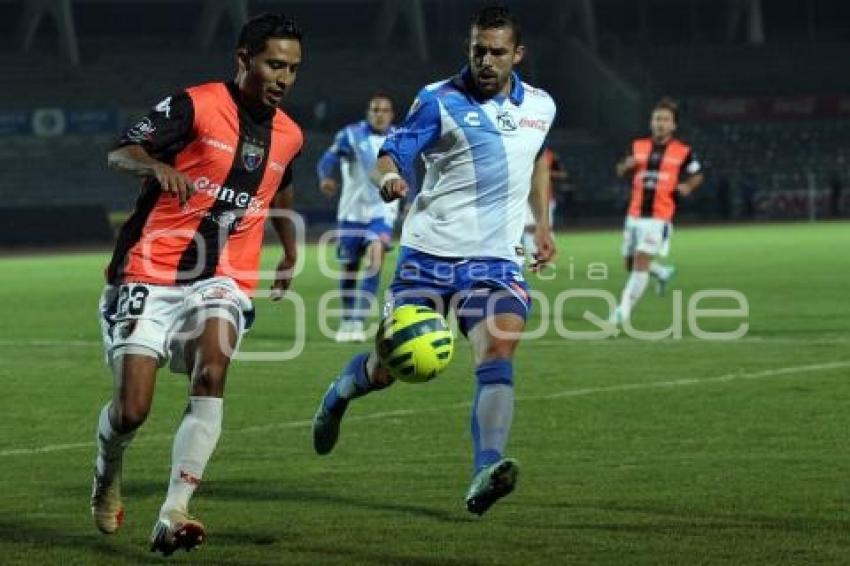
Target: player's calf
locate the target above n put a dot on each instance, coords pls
(361, 376)
(106, 506)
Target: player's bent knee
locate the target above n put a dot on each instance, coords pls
(641, 262)
(499, 349)
(499, 371)
(130, 415)
(208, 379)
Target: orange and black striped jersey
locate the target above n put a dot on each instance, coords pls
(554, 165)
(659, 168)
(236, 161)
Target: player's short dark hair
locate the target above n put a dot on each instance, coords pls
(667, 103)
(383, 95)
(260, 29)
(497, 17)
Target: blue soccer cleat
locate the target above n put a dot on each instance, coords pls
(326, 425)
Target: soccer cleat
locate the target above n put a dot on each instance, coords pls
(176, 529)
(491, 484)
(344, 332)
(617, 317)
(326, 426)
(661, 284)
(106, 507)
(357, 333)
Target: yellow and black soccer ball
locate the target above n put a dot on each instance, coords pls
(414, 343)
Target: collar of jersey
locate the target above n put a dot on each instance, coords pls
(264, 118)
(372, 131)
(464, 81)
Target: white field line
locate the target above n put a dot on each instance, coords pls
(734, 376)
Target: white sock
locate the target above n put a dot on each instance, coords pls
(110, 445)
(193, 445)
(659, 270)
(635, 287)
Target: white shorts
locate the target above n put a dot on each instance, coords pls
(160, 321)
(647, 235)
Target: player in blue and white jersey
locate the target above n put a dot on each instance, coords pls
(365, 220)
(479, 134)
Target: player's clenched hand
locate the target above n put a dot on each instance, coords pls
(283, 278)
(173, 181)
(545, 247)
(393, 189)
(684, 189)
(625, 166)
(328, 187)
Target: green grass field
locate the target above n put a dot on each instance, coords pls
(675, 451)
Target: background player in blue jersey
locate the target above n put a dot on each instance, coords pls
(479, 134)
(365, 220)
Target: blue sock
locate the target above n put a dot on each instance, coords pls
(368, 290)
(348, 290)
(352, 383)
(492, 411)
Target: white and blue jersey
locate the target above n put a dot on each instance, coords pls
(355, 151)
(479, 156)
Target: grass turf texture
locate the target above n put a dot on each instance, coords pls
(677, 451)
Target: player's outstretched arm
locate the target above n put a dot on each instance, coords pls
(283, 226)
(539, 198)
(135, 160)
(387, 177)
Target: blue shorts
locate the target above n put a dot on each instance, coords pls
(355, 237)
(474, 288)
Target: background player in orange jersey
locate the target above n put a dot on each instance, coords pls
(549, 164)
(662, 168)
(213, 158)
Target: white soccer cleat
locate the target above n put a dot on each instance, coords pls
(176, 529)
(344, 332)
(350, 331)
(357, 334)
(618, 317)
(106, 507)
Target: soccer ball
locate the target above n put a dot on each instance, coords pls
(414, 343)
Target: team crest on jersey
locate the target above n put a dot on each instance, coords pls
(505, 121)
(252, 155)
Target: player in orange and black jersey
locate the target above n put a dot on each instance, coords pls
(662, 167)
(548, 164)
(214, 160)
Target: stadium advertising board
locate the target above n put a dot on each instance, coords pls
(51, 122)
(740, 108)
